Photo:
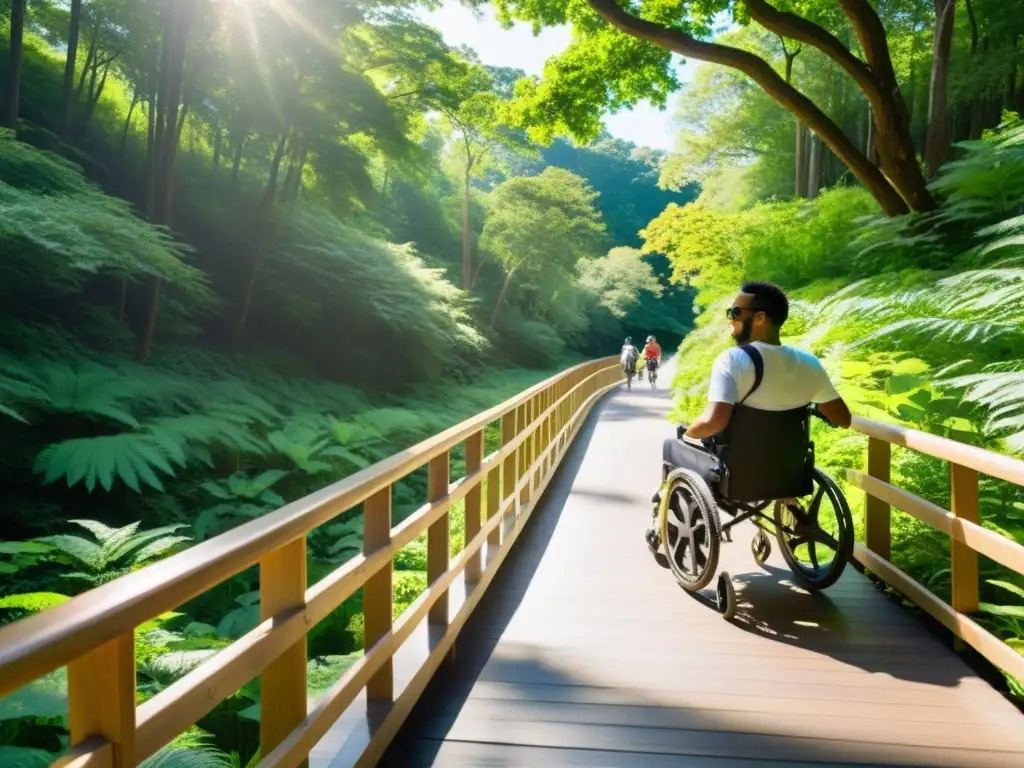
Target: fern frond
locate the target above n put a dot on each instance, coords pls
(206, 430)
(130, 457)
(179, 757)
(157, 549)
(124, 546)
(88, 553)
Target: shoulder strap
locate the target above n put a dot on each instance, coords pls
(758, 361)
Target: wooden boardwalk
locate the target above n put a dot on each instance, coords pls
(586, 653)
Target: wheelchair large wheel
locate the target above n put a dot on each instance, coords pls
(690, 532)
(816, 534)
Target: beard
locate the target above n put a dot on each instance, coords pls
(745, 332)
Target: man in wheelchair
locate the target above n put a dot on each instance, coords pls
(751, 443)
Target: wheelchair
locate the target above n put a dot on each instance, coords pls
(760, 469)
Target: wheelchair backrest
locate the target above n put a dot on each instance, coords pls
(767, 454)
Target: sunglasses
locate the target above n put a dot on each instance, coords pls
(735, 313)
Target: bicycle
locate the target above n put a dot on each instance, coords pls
(652, 371)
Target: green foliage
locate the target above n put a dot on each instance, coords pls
(115, 551)
(24, 757)
(58, 230)
(933, 340)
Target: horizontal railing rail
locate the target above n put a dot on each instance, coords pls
(93, 633)
(962, 524)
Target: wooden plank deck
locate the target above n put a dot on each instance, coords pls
(586, 653)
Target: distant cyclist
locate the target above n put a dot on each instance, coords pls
(652, 354)
(628, 356)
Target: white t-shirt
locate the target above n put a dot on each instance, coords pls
(792, 379)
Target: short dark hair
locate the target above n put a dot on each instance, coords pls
(768, 298)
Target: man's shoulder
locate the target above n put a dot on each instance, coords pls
(802, 356)
(733, 358)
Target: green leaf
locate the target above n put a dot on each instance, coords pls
(33, 601)
(45, 697)
(904, 382)
(129, 457)
(24, 757)
(1015, 611)
(1018, 591)
(342, 452)
(179, 757)
(23, 548)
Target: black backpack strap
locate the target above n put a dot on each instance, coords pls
(758, 361)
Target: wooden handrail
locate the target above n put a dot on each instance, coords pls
(962, 524)
(93, 633)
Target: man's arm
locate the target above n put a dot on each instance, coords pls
(722, 393)
(713, 420)
(830, 404)
(837, 412)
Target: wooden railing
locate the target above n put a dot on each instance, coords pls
(962, 524)
(93, 634)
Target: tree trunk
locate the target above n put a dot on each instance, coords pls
(467, 265)
(799, 188)
(500, 301)
(465, 234)
(95, 92)
(902, 172)
(128, 121)
(938, 93)
(68, 95)
(218, 139)
(90, 57)
(266, 203)
(977, 99)
(174, 45)
(293, 178)
(13, 91)
(236, 163)
(801, 160)
(869, 144)
(814, 168)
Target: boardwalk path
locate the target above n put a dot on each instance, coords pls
(585, 652)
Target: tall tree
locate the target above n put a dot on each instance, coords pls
(628, 58)
(938, 92)
(12, 95)
(162, 143)
(539, 228)
(68, 93)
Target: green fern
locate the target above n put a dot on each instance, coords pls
(188, 757)
(131, 457)
(114, 551)
(300, 443)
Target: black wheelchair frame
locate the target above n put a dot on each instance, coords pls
(704, 491)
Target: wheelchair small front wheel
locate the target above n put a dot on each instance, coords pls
(814, 528)
(725, 596)
(691, 530)
(761, 547)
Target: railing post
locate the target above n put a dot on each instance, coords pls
(964, 560)
(283, 682)
(877, 513)
(537, 441)
(474, 459)
(525, 420)
(378, 608)
(101, 698)
(438, 537)
(511, 424)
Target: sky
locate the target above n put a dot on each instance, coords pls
(644, 125)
